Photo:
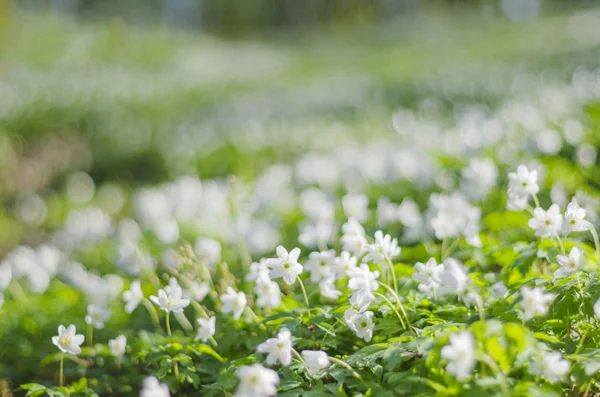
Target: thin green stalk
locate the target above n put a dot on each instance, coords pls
(581, 342)
(168, 325)
(498, 372)
(393, 273)
(90, 335)
(299, 358)
(536, 201)
(399, 304)
(391, 305)
(596, 241)
(345, 365)
(152, 311)
(305, 295)
(443, 250)
(60, 371)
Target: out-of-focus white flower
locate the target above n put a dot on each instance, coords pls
(523, 183)
(362, 281)
(387, 212)
(328, 290)
(353, 237)
(278, 349)
(133, 296)
(479, 177)
(597, 308)
(268, 294)
(569, 264)
(96, 316)
(516, 203)
(197, 290)
(499, 290)
(546, 223)
(153, 388)
(550, 365)
(428, 276)
(285, 265)
(256, 381)
(259, 272)
(117, 346)
(5, 275)
(206, 329)
(133, 259)
(208, 250)
(384, 248)
(67, 340)
(361, 323)
(315, 360)
(233, 302)
(412, 219)
(535, 302)
(170, 299)
(317, 205)
(574, 221)
(356, 206)
(454, 279)
(343, 263)
(460, 354)
(316, 234)
(451, 215)
(320, 265)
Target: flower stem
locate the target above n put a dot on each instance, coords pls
(299, 357)
(536, 201)
(393, 273)
(399, 303)
(392, 307)
(152, 310)
(168, 325)
(90, 335)
(580, 345)
(443, 250)
(305, 295)
(344, 365)
(596, 241)
(60, 373)
(498, 372)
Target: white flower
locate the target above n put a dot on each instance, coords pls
(353, 237)
(153, 388)
(550, 365)
(384, 248)
(208, 250)
(170, 299)
(451, 215)
(96, 316)
(569, 264)
(454, 279)
(516, 203)
(387, 212)
(259, 272)
(597, 308)
(268, 294)
(315, 360)
(206, 329)
(320, 265)
(256, 381)
(535, 302)
(361, 323)
(328, 290)
(133, 296)
(278, 349)
(285, 265)
(523, 183)
(362, 281)
(546, 223)
(233, 303)
(343, 263)
(117, 346)
(479, 177)
(67, 340)
(428, 273)
(356, 206)
(197, 290)
(316, 234)
(574, 221)
(460, 354)
(5, 275)
(499, 290)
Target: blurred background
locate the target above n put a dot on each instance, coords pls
(102, 98)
